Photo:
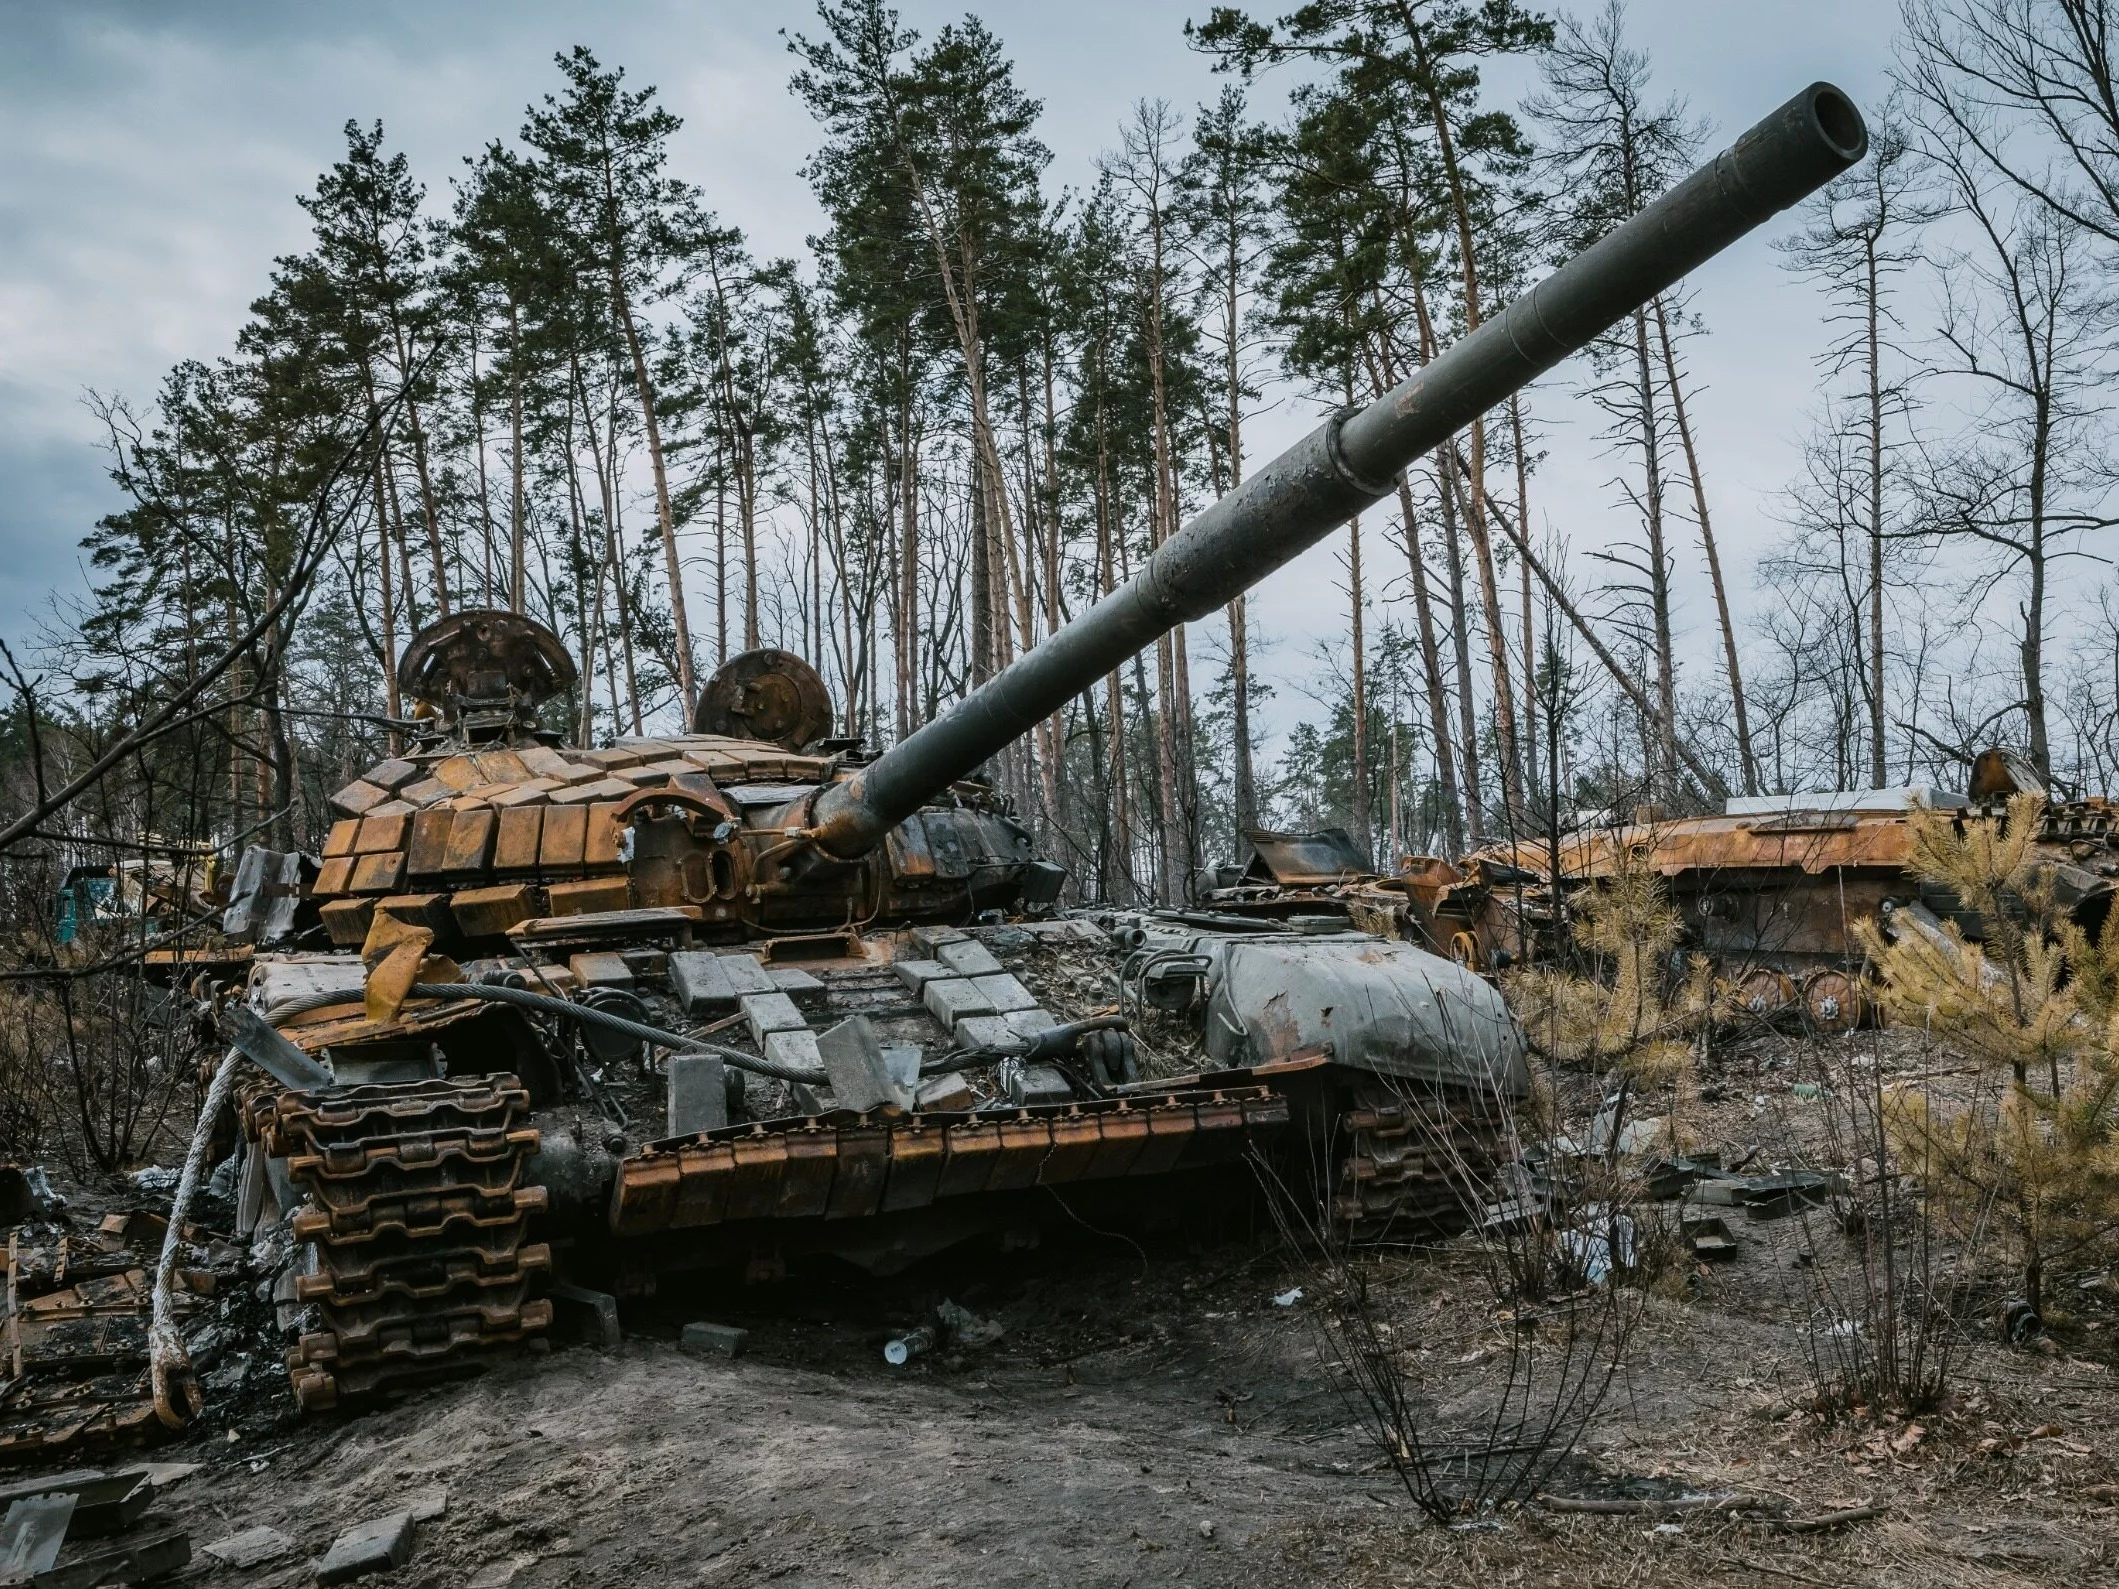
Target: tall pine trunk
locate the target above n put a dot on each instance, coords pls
(1747, 762)
(665, 517)
(1460, 625)
(1665, 725)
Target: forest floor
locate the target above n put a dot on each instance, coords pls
(1153, 1415)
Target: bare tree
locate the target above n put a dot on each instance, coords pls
(1861, 235)
(2026, 336)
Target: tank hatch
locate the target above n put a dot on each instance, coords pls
(482, 673)
(766, 694)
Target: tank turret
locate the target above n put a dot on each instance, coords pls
(487, 820)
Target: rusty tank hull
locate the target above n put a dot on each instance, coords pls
(1771, 891)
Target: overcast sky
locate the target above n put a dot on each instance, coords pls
(150, 154)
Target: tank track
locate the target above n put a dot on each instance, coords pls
(415, 1224)
(1413, 1164)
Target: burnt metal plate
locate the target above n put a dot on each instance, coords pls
(1300, 860)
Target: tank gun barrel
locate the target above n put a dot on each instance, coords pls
(1354, 458)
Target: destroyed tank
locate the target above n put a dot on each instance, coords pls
(884, 1036)
(1771, 889)
(1323, 877)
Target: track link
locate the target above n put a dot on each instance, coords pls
(1414, 1161)
(415, 1222)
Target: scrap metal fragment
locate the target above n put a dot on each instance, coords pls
(262, 1044)
(860, 1075)
(698, 1094)
(32, 1532)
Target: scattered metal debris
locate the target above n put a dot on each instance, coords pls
(45, 1517)
(915, 1342)
(74, 1340)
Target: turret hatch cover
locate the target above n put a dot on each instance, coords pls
(484, 654)
(766, 694)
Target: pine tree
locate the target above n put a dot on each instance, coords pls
(2036, 996)
(604, 160)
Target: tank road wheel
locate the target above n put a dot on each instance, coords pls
(1834, 1001)
(1763, 993)
(1411, 1162)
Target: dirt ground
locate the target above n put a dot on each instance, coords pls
(1135, 1429)
(1152, 1415)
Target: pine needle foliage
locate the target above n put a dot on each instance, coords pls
(2036, 1004)
(1618, 1010)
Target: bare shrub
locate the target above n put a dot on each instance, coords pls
(95, 1060)
(1554, 1263)
(1888, 1294)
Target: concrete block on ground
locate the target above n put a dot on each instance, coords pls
(792, 1048)
(945, 1094)
(968, 958)
(916, 974)
(1005, 993)
(713, 1340)
(860, 1079)
(813, 1100)
(254, 1547)
(929, 939)
(770, 1012)
(950, 999)
(985, 1031)
(807, 992)
(698, 1094)
(592, 1314)
(380, 1545)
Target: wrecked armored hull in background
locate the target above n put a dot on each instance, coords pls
(1770, 891)
(1479, 912)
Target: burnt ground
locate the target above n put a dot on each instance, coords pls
(1151, 1415)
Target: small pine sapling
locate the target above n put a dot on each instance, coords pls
(2038, 999)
